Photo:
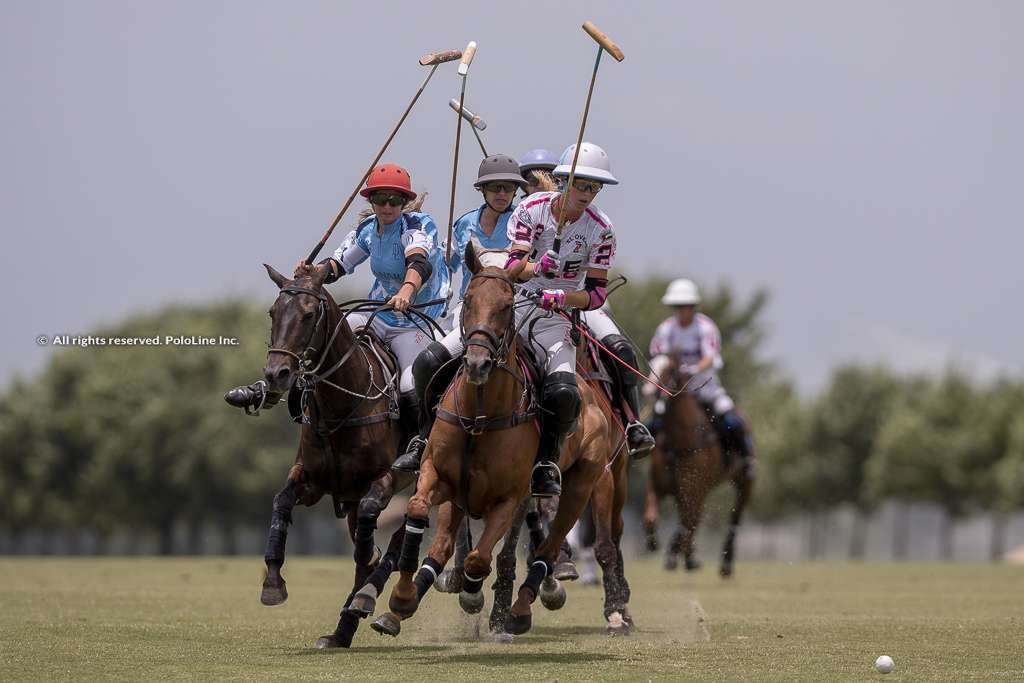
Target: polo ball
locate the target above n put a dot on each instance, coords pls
(884, 664)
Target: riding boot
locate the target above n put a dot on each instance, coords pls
(738, 438)
(252, 398)
(431, 373)
(409, 417)
(639, 438)
(560, 404)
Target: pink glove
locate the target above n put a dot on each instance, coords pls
(548, 264)
(552, 299)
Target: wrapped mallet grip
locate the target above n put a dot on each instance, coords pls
(467, 58)
(434, 58)
(604, 41)
(472, 118)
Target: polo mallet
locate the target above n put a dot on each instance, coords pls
(603, 43)
(475, 122)
(433, 60)
(467, 59)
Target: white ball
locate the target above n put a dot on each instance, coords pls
(884, 664)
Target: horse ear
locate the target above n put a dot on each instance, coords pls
(472, 262)
(278, 279)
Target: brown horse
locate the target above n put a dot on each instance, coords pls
(349, 437)
(480, 455)
(687, 464)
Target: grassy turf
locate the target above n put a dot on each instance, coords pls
(157, 618)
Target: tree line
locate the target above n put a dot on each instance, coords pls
(137, 439)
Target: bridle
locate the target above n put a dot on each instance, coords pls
(497, 348)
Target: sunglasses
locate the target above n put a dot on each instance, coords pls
(591, 186)
(500, 187)
(382, 198)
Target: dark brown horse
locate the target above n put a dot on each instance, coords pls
(349, 437)
(479, 458)
(687, 464)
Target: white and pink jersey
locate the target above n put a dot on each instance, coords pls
(700, 339)
(587, 243)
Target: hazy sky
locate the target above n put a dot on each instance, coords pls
(862, 160)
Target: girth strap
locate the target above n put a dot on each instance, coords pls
(481, 424)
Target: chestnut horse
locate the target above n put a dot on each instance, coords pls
(480, 455)
(350, 433)
(688, 463)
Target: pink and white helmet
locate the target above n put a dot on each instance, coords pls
(593, 164)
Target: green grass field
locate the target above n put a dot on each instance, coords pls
(201, 618)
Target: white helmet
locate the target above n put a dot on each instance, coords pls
(681, 292)
(593, 164)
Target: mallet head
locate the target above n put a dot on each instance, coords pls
(473, 119)
(435, 58)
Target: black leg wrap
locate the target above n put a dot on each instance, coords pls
(380, 575)
(539, 571)
(409, 559)
(280, 518)
(426, 575)
(471, 584)
(365, 526)
(347, 626)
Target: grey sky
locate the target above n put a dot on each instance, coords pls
(859, 159)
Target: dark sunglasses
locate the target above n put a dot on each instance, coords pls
(382, 198)
(591, 186)
(500, 187)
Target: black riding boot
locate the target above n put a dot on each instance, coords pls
(737, 436)
(560, 403)
(640, 440)
(429, 387)
(409, 418)
(252, 398)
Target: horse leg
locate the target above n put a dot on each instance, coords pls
(690, 509)
(565, 568)
(429, 492)
(275, 590)
(361, 526)
(651, 514)
(450, 580)
(605, 552)
(506, 572)
(743, 487)
(577, 484)
(618, 528)
(478, 562)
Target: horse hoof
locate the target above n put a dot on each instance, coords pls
(692, 564)
(627, 617)
(403, 608)
(362, 604)
(387, 624)
(617, 625)
(671, 562)
(651, 544)
(273, 594)
(471, 603)
(517, 626)
(502, 637)
(552, 594)
(565, 571)
(442, 581)
(725, 571)
(328, 642)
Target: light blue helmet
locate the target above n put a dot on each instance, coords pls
(593, 164)
(537, 158)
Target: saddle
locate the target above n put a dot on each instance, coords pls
(376, 347)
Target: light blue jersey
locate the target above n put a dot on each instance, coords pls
(468, 228)
(387, 253)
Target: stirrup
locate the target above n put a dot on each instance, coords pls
(646, 446)
(547, 464)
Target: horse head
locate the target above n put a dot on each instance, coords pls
(299, 325)
(488, 322)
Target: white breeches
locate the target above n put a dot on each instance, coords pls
(405, 342)
(600, 323)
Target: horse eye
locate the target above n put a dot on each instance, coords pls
(307, 315)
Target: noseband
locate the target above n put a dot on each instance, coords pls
(306, 358)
